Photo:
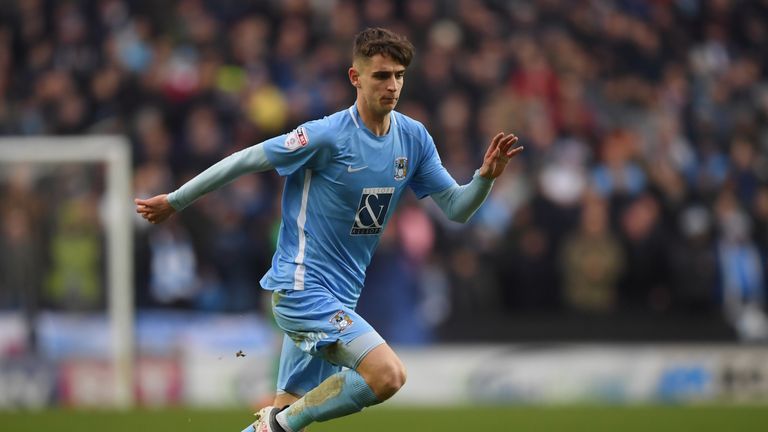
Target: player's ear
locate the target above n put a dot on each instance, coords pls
(354, 76)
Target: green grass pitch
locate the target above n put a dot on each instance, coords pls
(379, 419)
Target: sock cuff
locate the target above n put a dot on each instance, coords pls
(281, 419)
(362, 392)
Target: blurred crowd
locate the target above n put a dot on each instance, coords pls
(643, 186)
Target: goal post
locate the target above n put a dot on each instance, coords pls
(114, 152)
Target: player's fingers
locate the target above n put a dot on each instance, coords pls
(495, 141)
(508, 142)
(503, 158)
(500, 157)
(514, 151)
(144, 210)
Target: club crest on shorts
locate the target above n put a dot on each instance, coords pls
(341, 321)
(401, 168)
(297, 138)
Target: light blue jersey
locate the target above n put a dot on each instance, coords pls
(342, 186)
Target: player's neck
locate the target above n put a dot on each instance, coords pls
(377, 124)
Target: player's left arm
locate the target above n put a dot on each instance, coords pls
(459, 203)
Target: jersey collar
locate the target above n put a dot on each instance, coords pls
(355, 116)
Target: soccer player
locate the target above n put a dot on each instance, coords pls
(343, 177)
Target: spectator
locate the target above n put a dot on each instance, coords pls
(591, 261)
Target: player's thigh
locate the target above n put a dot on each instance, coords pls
(380, 358)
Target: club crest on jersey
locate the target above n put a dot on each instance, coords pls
(401, 168)
(341, 320)
(297, 138)
(372, 211)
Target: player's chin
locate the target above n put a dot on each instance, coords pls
(388, 104)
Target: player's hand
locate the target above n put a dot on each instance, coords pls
(155, 209)
(498, 154)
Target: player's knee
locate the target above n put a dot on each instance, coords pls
(391, 379)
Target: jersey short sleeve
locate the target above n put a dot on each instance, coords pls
(430, 176)
(308, 146)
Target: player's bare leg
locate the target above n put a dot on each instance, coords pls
(283, 399)
(377, 378)
(383, 371)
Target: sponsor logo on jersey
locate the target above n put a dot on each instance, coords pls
(372, 211)
(297, 138)
(401, 168)
(341, 320)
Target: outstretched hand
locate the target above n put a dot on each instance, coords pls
(155, 209)
(498, 154)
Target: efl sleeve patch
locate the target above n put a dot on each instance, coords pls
(296, 139)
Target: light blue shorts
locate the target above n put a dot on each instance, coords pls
(322, 335)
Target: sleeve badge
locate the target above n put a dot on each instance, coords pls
(296, 139)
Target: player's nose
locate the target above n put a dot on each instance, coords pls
(392, 84)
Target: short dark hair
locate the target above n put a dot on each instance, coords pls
(372, 41)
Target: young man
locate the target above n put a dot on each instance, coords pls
(344, 175)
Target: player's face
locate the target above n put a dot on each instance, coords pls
(379, 81)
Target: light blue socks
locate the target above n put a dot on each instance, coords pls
(341, 394)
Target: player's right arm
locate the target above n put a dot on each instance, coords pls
(285, 153)
(161, 207)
